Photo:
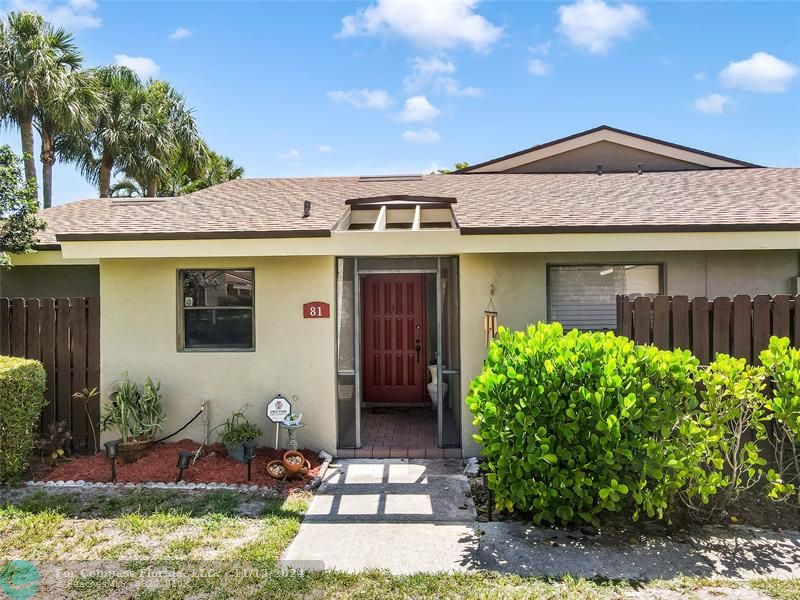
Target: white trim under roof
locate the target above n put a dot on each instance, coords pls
(604, 135)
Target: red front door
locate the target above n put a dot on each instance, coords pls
(393, 338)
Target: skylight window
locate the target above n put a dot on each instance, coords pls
(390, 213)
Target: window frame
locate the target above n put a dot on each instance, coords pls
(181, 319)
(662, 275)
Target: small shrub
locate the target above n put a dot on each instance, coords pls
(782, 365)
(22, 386)
(733, 412)
(579, 423)
(237, 429)
(137, 416)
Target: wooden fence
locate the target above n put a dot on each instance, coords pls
(740, 326)
(64, 334)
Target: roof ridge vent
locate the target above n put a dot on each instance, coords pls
(380, 178)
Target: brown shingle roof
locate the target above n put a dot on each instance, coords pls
(486, 203)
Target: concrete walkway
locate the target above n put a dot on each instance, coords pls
(411, 516)
(406, 515)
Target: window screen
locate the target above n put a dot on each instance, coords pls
(217, 309)
(585, 296)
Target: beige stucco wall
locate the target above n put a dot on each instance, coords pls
(293, 356)
(521, 295)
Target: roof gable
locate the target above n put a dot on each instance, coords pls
(615, 149)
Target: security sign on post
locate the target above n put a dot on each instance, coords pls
(277, 410)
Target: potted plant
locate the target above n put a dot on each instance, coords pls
(236, 430)
(137, 416)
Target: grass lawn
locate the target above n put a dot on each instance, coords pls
(157, 544)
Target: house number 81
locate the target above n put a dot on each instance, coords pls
(316, 310)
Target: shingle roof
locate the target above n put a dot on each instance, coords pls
(485, 203)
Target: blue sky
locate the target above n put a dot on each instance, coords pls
(396, 86)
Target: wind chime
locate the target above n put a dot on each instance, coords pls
(490, 318)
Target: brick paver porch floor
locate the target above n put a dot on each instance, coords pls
(398, 433)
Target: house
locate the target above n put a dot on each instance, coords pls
(362, 299)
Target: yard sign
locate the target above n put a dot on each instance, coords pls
(277, 410)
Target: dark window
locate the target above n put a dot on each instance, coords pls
(217, 309)
(585, 296)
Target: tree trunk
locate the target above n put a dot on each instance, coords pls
(48, 158)
(106, 165)
(152, 189)
(26, 135)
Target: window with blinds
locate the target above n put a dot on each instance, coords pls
(584, 296)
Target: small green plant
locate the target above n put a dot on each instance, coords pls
(137, 416)
(86, 395)
(733, 414)
(237, 429)
(782, 365)
(22, 385)
(56, 443)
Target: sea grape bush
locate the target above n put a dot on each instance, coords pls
(733, 409)
(579, 423)
(782, 365)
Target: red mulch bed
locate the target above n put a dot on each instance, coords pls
(214, 466)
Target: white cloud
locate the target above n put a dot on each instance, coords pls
(713, 104)
(143, 66)
(701, 76)
(761, 72)
(431, 24)
(418, 108)
(72, 15)
(371, 99)
(539, 67)
(292, 154)
(433, 73)
(542, 49)
(421, 136)
(453, 87)
(595, 25)
(181, 33)
(424, 71)
(325, 148)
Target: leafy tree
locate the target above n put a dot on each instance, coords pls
(457, 167)
(35, 61)
(18, 207)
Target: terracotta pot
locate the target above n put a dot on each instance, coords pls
(133, 450)
(293, 467)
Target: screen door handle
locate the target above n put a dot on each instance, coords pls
(418, 348)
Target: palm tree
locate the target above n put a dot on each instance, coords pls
(65, 112)
(35, 59)
(185, 180)
(120, 124)
(172, 139)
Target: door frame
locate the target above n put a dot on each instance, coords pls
(357, 332)
(424, 349)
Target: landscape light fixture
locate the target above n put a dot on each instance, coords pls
(249, 448)
(111, 454)
(184, 459)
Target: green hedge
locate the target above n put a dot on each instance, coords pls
(22, 387)
(578, 423)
